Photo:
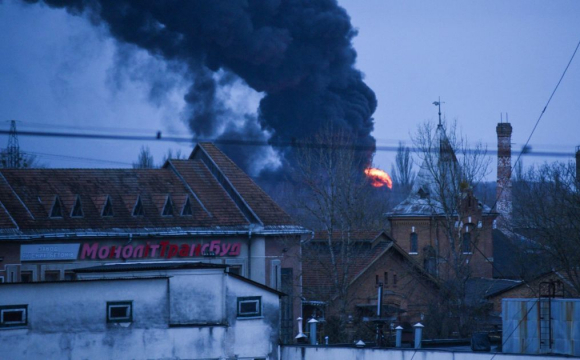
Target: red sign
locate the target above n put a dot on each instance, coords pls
(162, 249)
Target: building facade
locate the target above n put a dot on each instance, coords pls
(53, 221)
(141, 311)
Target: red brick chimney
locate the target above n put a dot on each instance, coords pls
(504, 172)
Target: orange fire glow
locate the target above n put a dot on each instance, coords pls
(379, 178)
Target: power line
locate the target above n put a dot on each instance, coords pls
(76, 158)
(235, 142)
(538, 121)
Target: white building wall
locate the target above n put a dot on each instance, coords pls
(67, 320)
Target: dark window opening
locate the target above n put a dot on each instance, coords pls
(69, 276)
(13, 315)
(77, 210)
(376, 279)
(56, 211)
(168, 208)
(414, 243)
(395, 280)
(466, 244)
(236, 269)
(120, 311)
(138, 209)
(108, 208)
(187, 208)
(26, 276)
(52, 276)
(250, 306)
(386, 279)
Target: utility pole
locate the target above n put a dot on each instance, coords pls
(438, 104)
(13, 149)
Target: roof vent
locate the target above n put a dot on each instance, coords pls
(168, 208)
(77, 210)
(108, 208)
(138, 208)
(56, 211)
(186, 211)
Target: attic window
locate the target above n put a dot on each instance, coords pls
(138, 208)
(56, 211)
(168, 208)
(108, 208)
(77, 210)
(186, 211)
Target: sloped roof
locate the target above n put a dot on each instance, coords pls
(421, 201)
(371, 246)
(27, 196)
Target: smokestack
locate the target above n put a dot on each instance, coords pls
(504, 172)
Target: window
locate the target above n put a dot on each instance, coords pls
(77, 210)
(186, 211)
(119, 311)
(13, 315)
(250, 306)
(108, 208)
(1, 279)
(414, 243)
(386, 279)
(56, 211)
(52, 276)
(138, 208)
(236, 269)
(26, 276)
(168, 208)
(69, 276)
(466, 244)
(395, 280)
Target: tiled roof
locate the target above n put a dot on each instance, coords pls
(28, 195)
(316, 262)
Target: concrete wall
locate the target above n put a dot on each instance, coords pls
(67, 320)
(334, 353)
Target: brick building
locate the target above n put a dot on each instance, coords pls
(205, 208)
(439, 210)
(375, 260)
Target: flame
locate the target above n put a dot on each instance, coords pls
(379, 178)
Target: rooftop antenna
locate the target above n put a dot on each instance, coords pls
(501, 117)
(438, 104)
(13, 149)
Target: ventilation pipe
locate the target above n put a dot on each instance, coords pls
(300, 337)
(398, 336)
(418, 334)
(313, 323)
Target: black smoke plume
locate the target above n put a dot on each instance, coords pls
(298, 53)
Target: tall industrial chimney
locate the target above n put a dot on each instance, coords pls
(504, 173)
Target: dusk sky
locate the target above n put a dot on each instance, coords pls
(483, 58)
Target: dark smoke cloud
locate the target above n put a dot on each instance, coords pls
(298, 53)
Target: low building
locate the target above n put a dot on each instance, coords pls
(53, 221)
(374, 260)
(141, 311)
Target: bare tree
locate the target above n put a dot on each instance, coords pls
(402, 173)
(170, 155)
(548, 213)
(145, 159)
(451, 168)
(337, 199)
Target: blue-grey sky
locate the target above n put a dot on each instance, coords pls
(482, 57)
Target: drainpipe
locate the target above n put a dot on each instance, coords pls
(250, 252)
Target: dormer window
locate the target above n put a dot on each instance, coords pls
(56, 211)
(187, 211)
(108, 208)
(168, 207)
(138, 208)
(77, 210)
